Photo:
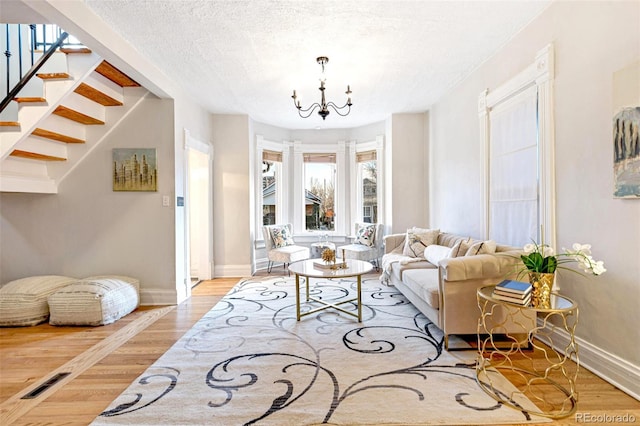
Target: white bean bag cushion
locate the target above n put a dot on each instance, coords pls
(23, 302)
(133, 281)
(95, 301)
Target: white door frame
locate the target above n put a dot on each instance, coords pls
(206, 255)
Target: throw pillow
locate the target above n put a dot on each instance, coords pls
(460, 248)
(281, 236)
(417, 240)
(435, 253)
(481, 247)
(366, 235)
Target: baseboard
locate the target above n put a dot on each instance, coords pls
(232, 271)
(158, 296)
(609, 367)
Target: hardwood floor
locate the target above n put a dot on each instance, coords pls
(103, 361)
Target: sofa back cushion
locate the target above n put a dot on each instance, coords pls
(417, 240)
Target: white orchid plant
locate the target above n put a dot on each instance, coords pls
(541, 258)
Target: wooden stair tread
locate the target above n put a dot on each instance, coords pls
(79, 117)
(75, 50)
(114, 74)
(96, 95)
(43, 133)
(29, 99)
(9, 124)
(53, 76)
(35, 156)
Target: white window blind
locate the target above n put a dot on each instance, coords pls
(513, 165)
(272, 156)
(365, 156)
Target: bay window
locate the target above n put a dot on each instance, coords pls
(318, 187)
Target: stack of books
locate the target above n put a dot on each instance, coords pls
(513, 291)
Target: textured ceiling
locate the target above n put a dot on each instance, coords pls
(246, 57)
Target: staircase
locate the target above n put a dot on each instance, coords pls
(59, 117)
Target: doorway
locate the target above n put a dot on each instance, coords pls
(199, 210)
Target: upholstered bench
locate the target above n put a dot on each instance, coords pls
(94, 301)
(23, 302)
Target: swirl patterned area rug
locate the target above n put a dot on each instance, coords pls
(248, 361)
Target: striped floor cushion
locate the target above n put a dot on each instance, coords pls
(23, 302)
(94, 301)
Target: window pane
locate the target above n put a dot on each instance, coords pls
(319, 181)
(369, 188)
(269, 188)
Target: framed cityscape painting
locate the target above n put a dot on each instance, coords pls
(135, 169)
(626, 132)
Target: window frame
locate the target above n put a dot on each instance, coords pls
(357, 201)
(281, 177)
(540, 74)
(299, 150)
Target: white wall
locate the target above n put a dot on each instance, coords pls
(406, 188)
(231, 195)
(592, 41)
(87, 229)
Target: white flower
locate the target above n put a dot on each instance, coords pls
(529, 248)
(582, 248)
(598, 268)
(547, 251)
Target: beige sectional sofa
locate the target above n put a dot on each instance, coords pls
(446, 292)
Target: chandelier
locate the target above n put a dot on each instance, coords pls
(323, 105)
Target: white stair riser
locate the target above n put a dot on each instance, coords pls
(44, 147)
(64, 126)
(106, 86)
(86, 106)
(55, 64)
(10, 113)
(13, 166)
(22, 175)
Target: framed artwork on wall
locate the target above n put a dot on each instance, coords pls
(626, 132)
(135, 169)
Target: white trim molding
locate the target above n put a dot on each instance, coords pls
(609, 367)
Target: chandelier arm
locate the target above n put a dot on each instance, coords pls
(337, 109)
(311, 109)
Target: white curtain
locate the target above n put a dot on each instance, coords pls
(513, 170)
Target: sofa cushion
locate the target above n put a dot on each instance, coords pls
(435, 253)
(23, 302)
(424, 283)
(417, 240)
(481, 247)
(398, 267)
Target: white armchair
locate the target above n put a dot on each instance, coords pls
(280, 246)
(368, 244)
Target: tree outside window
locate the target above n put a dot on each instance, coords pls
(320, 175)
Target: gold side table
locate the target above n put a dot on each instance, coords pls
(548, 381)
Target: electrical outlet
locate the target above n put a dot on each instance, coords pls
(166, 201)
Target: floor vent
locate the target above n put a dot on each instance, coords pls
(46, 385)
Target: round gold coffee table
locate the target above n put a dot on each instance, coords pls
(310, 269)
(549, 381)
